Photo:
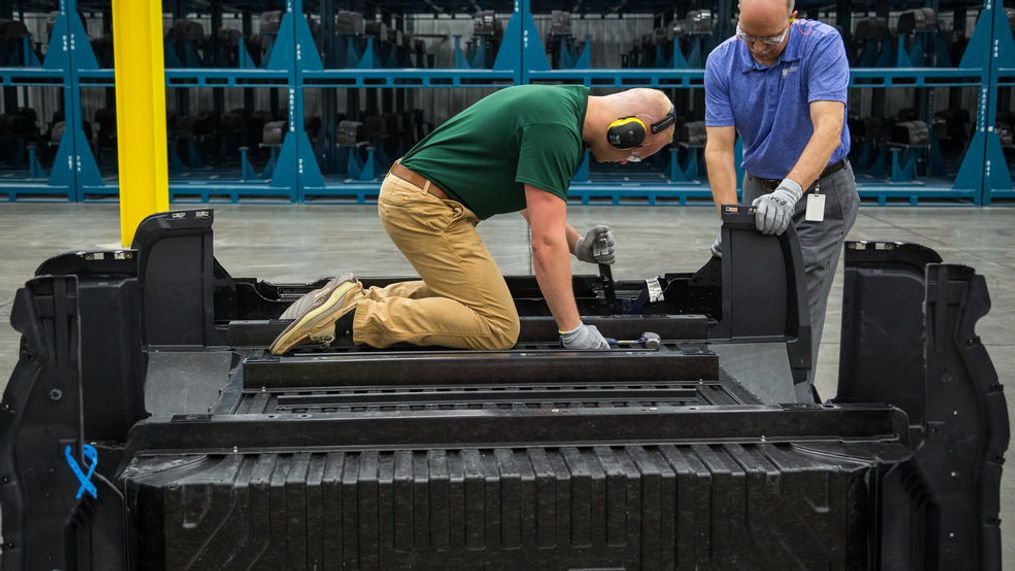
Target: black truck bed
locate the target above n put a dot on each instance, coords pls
(214, 454)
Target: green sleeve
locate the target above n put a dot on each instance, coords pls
(548, 154)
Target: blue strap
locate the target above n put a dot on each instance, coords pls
(86, 480)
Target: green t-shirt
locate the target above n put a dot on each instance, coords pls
(526, 134)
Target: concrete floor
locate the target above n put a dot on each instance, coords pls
(302, 243)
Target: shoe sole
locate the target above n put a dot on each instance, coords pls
(316, 319)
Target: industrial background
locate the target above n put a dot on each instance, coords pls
(289, 102)
(270, 100)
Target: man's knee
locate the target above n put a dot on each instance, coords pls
(504, 335)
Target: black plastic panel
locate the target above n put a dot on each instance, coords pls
(176, 272)
(533, 329)
(881, 349)
(607, 507)
(541, 427)
(535, 457)
(40, 416)
(909, 339)
(487, 397)
(966, 424)
(764, 297)
(681, 363)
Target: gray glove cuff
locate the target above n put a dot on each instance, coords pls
(790, 190)
(572, 331)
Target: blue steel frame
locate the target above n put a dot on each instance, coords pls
(294, 64)
(74, 169)
(508, 69)
(997, 181)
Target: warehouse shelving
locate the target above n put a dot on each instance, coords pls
(895, 184)
(234, 177)
(73, 167)
(341, 171)
(297, 65)
(962, 181)
(998, 184)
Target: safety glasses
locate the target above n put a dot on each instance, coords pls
(767, 40)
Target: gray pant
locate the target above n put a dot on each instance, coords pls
(820, 245)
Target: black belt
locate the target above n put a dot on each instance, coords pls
(772, 184)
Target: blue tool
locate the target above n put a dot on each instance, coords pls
(86, 479)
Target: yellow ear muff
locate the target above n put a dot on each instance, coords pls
(626, 133)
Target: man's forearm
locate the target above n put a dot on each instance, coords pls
(572, 237)
(815, 157)
(572, 234)
(552, 264)
(722, 177)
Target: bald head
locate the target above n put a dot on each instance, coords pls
(649, 105)
(764, 17)
(786, 6)
(641, 101)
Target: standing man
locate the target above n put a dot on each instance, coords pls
(782, 84)
(515, 150)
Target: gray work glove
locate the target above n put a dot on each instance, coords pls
(597, 247)
(775, 210)
(717, 245)
(584, 337)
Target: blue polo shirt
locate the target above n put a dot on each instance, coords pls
(770, 106)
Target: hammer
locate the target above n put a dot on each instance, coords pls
(648, 340)
(606, 274)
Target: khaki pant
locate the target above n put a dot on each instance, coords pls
(462, 301)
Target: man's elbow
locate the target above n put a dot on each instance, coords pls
(718, 153)
(544, 245)
(830, 125)
(831, 138)
(541, 243)
(831, 129)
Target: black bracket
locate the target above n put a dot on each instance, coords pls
(764, 295)
(39, 417)
(176, 273)
(908, 339)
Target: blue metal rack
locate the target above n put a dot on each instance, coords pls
(362, 178)
(74, 169)
(293, 64)
(997, 179)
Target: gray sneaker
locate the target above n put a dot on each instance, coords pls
(301, 306)
(317, 320)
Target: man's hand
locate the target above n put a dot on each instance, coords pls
(717, 245)
(584, 337)
(597, 247)
(775, 210)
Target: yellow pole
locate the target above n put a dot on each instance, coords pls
(140, 112)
